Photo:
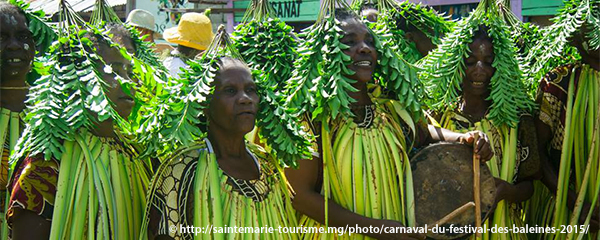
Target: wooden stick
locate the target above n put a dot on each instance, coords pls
(453, 214)
(477, 188)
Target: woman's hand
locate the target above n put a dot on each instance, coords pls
(482, 148)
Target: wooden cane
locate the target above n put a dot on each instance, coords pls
(453, 214)
(477, 187)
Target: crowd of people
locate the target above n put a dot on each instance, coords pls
(99, 156)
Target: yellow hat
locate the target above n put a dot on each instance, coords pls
(194, 30)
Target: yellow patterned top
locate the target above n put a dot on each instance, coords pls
(215, 200)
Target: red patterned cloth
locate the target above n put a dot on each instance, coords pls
(34, 187)
(552, 97)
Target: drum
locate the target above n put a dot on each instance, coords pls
(443, 182)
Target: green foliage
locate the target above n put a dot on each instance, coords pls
(394, 37)
(426, 19)
(267, 44)
(319, 85)
(63, 101)
(395, 73)
(443, 69)
(103, 13)
(151, 77)
(72, 96)
(422, 17)
(179, 112)
(552, 49)
(509, 98)
(279, 127)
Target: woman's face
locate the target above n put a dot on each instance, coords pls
(479, 70)
(122, 67)
(234, 101)
(17, 47)
(362, 50)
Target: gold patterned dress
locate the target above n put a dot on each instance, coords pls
(190, 190)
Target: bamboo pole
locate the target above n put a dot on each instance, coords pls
(476, 188)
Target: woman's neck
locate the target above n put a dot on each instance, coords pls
(227, 145)
(475, 106)
(230, 149)
(361, 98)
(13, 95)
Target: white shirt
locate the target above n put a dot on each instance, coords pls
(174, 64)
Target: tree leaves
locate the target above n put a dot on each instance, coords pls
(554, 45)
(319, 85)
(268, 45)
(395, 70)
(288, 140)
(72, 96)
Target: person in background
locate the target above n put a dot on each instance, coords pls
(143, 21)
(370, 12)
(192, 35)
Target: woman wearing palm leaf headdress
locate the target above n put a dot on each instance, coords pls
(364, 137)
(216, 178)
(479, 86)
(17, 49)
(73, 140)
(567, 122)
(415, 29)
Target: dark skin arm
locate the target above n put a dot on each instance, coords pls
(28, 225)
(550, 176)
(517, 193)
(311, 203)
(431, 134)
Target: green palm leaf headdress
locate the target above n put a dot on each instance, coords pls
(183, 121)
(443, 68)
(394, 17)
(150, 74)
(72, 96)
(319, 86)
(267, 43)
(554, 45)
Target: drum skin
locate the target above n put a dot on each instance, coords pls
(443, 181)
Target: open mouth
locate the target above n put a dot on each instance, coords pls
(14, 60)
(478, 84)
(126, 98)
(363, 64)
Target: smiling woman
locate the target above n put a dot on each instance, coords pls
(362, 175)
(484, 90)
(17, 50)
(474, 106)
